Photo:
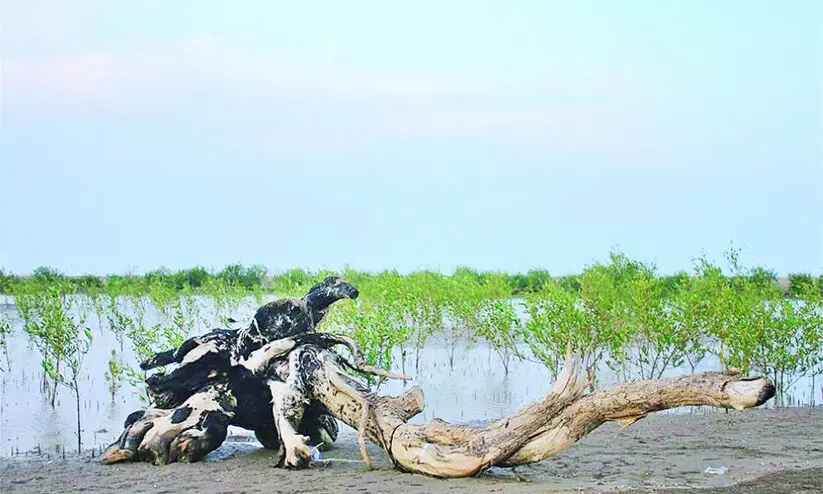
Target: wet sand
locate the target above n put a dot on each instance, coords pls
(763, 451)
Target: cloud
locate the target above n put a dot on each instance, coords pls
(595, 132)
(207, 59)
(199, 60)
(540, 110)
(82, 77)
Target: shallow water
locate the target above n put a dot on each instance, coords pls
(475, 389)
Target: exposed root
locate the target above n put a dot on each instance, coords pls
(361, 435)
(259, 359)
(359, 362)
(335, 377)
(298, 452)
(185, 434)
(625, 422)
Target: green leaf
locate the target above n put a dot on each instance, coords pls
(49, 369)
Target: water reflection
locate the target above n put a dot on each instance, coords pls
(475, 389)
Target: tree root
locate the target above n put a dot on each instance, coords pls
(303, 373)
(361, 435)
(185, 434)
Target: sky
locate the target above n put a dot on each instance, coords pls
(422, 135)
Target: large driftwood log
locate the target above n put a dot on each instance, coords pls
(533, 433)
(304, 374)
(283, 380)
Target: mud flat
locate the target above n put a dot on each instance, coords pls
(758, 451)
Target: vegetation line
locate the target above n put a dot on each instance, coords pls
(620, 313)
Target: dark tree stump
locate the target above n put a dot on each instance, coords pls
(214, 375)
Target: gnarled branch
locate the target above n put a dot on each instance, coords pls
(533, 433)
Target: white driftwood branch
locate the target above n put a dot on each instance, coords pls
(533, 433)
(628, 402)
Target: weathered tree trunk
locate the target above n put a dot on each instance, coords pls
(533, 433)
(306, 380)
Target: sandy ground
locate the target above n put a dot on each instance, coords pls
(763, 451)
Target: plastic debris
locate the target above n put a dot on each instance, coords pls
(715, 471)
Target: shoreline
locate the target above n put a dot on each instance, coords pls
(762, 450)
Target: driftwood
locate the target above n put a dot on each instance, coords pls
(214, 385)
(308, 384)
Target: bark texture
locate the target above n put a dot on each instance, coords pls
(533, 433)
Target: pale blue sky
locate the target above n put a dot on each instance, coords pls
(500, 135)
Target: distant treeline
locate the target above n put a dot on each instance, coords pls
(256, 278)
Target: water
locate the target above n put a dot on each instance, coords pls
(476, 389)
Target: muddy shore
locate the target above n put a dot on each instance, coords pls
(758, 451)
